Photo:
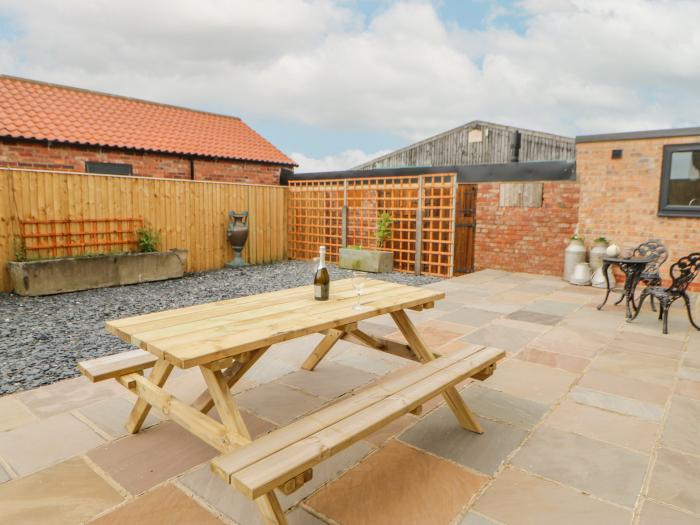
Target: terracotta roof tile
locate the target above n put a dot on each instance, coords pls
(35, 110)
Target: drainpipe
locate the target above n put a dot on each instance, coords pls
(192, 169)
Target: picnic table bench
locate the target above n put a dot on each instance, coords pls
(226, 338)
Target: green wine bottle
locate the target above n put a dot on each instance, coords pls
(322, 280)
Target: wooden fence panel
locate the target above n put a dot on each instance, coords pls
(187, 214)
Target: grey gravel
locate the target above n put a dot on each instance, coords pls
(42, 338)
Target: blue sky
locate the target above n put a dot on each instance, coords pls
(337, 82)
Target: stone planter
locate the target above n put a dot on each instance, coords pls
(71, 274)
(375, 261)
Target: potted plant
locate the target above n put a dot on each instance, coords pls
(366, 260)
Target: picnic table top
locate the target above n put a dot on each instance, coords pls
(209, 332)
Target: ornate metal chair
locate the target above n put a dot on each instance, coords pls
(682, 273)
(651, 275)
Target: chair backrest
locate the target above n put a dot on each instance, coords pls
(683, 271)
(652, 248)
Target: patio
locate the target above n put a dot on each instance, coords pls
(589, 420)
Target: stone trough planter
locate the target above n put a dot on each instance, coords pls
(375, 261)
(71, 274)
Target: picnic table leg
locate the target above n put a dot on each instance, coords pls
(452, 397)
(159, 375)
(322, 349)
(204, 403)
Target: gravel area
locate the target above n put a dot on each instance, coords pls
(42, 338)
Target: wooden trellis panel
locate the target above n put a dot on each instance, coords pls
(316, 218)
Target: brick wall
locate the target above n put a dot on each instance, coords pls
(39, 155)
(620, 197)
(525, 239)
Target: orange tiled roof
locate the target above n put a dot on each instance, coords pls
(36, 110)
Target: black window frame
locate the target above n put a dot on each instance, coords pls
(674, 210)
(109, 168)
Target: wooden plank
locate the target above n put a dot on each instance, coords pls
(225, 405)
(112, 366)
(207, 429)
(270, 472)
(332, 337)
(159, 375)
(302, 428)
(452, 397)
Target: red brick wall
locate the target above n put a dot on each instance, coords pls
(525, 239)
(38, 155)
(620, 198)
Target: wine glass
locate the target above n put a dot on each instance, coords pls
(358, 282)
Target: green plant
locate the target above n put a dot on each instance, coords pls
(383, 229)
(601, 239)
(147, 239)
(20, 249)
(576, 237)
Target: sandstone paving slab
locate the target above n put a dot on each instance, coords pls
(566, 340)
(4, 476)
(435, 333)
(682, 430)
(37, 445)
(470, 316)
(518, 498)
(379, 329)
(367, 359)
(381, 436)
(500, 406)
(535, 317)
(647, 322)
(490, 304)
(567, 296)
(472, 518)
(166, 504)
(604, 470)
(691, 359)
(619, 404)
(532, 381)
(268, 369)
(591, 319)
(65, 494)
(688, 388)
(595, 423)
(566, 362)
(515, 296)
(643, 367)
(553, 307)
(625, 387)
(675, 480)
(691, 374)
(655, 514)
(504, 337)
(447, 306)
(13, 413)
(141, 461)
(328, 380)
(648, 344)
(398, 484)
(278, 403)
(440, 434)
(66, 395)
(110, 416)
(234, 505)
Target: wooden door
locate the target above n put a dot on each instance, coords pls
(465, 229)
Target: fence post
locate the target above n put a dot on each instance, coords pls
(344, 223)
(455, 189)
(419, 228)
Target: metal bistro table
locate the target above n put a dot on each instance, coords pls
(632, 268)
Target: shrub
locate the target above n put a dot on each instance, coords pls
(148, 239)
(383, 229)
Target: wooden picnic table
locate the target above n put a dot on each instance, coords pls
(226, 338)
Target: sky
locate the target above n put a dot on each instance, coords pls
(334, 83)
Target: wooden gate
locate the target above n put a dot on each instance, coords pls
(465, 228)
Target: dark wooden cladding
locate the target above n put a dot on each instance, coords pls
(477, 143)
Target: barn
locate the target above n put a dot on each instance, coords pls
(60, 128)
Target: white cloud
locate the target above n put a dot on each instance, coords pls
(581, 66)
(342, 161)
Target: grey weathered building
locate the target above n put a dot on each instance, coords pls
(478, 142)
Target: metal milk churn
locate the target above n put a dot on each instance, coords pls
(575, 253)
(598, 251)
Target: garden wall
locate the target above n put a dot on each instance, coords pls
(192, 215)
(525, 238)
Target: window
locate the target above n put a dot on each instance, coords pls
(108, 168)
(680, 181)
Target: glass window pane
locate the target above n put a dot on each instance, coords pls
(684, 183)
